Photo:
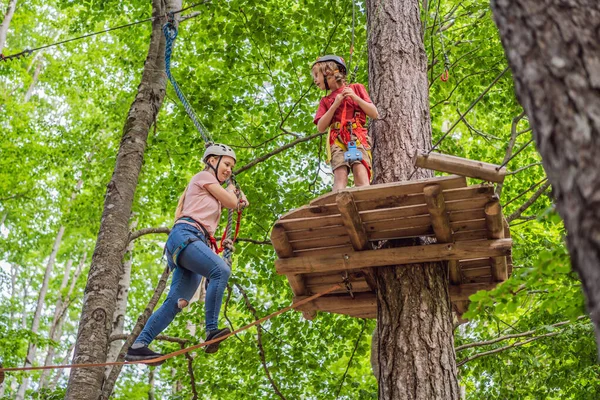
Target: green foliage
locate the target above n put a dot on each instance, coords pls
(244, 66)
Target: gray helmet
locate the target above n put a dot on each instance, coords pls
(217, 149)
(336, 59)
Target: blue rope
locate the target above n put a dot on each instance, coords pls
(170, 32)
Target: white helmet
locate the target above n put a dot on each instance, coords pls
(217, 149)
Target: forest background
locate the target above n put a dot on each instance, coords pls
(245, 67)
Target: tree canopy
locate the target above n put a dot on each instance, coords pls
(245, 68)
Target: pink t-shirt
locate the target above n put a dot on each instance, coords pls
(199, 204)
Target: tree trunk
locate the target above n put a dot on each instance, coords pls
(553, 49)
(415, 350)
(13, 294)
(100, 297)
(6, 22)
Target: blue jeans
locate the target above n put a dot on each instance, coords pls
(195, 261)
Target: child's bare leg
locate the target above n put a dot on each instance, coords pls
(340, 178)
(361, 175)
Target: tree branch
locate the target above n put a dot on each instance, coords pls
(515, 335)
(190, 367)
(511, 144)
(148, 231)
(523, 168)
(529, 202)
(351, 357)
(276, 151)
(265, 242)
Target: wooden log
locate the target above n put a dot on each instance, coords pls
(440, 222)
(280, 241)
(363, 193)
(320, 242)
(495, 228)
(480, 234)
(283, 248)
(461, 166)
(352, 221)
(394, 256)
(437, 209)
(323, 251)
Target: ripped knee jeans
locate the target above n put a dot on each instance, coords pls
(195, 261)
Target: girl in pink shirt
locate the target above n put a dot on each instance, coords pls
(189, 252)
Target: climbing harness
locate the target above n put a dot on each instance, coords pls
(182, 351)
(352, 155)
(347, 283)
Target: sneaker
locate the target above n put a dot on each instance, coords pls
(214, 347)
(141, 354)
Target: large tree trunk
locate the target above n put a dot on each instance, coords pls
(415, 350)
(35, 325)
(100, 297)
(10, 11)
(553, 49)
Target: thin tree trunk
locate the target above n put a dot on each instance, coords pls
(13, 293)
(61, 372)
(553, 49)
(34, 81)
(59, 314)
(6, 22)
(35, 325)
(24, 314)
(3, 218)
(151, 384)
(415, 351)
(121, 308)
(99, 303)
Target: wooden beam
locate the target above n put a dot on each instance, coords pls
(440, 221)
(363, 305)
(394, 256)
(462, 292)
(437, 209)
(495, 228)
(284, 249)
(461, 166)
(352, 221)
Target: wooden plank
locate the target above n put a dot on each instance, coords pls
(337, 303)
(352, 221)
(324, 251)
(311, 222)
(462, 292)
(475, 272)
(320, 242)
(317, 233)
(329, 278)
(476, 224)
(480, 234)
(461, 166)
(475, 263)
(393, 256)
(392, 189)
(357, 287)
(476, 193)
(493, 217)
(401, 233)
(297, 284)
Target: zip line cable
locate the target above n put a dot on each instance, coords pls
(28, 52)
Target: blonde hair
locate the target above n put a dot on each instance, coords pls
(328, 68)
(179, 208)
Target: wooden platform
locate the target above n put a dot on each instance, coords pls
(335, 234)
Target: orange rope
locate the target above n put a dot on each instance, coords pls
(182, 351)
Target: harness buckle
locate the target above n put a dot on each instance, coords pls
(347, 284)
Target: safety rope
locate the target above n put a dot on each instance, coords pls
(182, 351)
(170, 32)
